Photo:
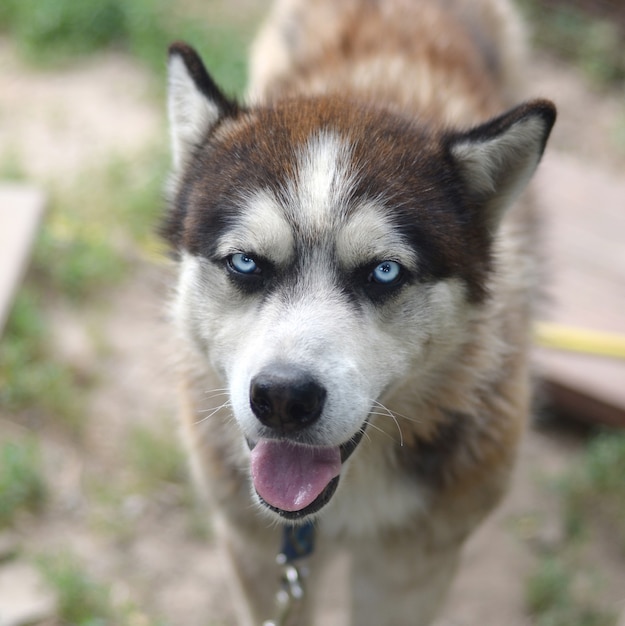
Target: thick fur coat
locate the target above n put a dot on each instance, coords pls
(358, 264)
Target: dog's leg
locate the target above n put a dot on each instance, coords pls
(253, 575)
(397, 583)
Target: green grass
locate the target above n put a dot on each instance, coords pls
(594, 494)
(593, 44)
(22, 486)
(562, 593)
(157, 460)
(548, 587)
(91, 235)
(154, 470)
(53, 32)
(566, 587)
(11, 166)
(156, 457)
(83, 601)
(223, 48)
(50, 31)
(95, 228)
(31, 380)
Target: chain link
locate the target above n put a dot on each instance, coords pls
(298, 543)
(290, 595)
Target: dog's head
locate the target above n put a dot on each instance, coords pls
(329, 252)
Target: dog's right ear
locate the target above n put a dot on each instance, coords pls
(195, 103)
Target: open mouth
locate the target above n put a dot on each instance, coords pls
(294, 480)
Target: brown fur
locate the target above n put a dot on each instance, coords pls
(386, 51)
(440, 63)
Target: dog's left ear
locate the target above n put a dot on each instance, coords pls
(497, 159)
(195, 103)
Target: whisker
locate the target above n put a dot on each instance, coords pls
(401, 437)
(212, 412)
(213, 393)
(388, 413)
(401, 434)
(396, 414)
(364, 432)
(211, 398)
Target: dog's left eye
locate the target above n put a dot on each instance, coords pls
(386, 273)
(243, 264)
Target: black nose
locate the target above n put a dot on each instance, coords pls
(286, 398)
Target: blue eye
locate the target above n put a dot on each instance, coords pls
(242, 263)
(386, 273)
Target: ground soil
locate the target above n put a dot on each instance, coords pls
(56, 122)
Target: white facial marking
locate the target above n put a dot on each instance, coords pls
(317, 331)
(369, 236)
(261, 229)
(324, 176)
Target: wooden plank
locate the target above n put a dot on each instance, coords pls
(21, 208)
(585, 227)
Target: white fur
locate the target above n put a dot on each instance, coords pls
(501, 167)
(315, 328)
(368, 237)
(190, 113)
(261, 229)
(324, 178)
(298, 331)
(350, 514)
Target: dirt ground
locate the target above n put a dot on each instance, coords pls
(59, 121)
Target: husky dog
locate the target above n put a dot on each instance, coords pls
(357, 266)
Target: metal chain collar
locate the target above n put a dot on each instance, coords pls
(298, 542)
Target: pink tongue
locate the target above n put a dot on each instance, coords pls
(290, 476)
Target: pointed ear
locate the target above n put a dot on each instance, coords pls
(497, 159)
(195, 103)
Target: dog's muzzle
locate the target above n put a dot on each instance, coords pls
(292, 479)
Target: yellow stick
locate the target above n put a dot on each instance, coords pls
(582, 340)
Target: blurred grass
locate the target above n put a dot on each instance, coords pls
(568, 584)
(94, 231)
(22, 486)
(96, 227)
(31, 379)
(594, 493)
(560, 593)
(11, 166)
(84, 601)
(50, 33)
(591, 42)
(81, 600)
(156, 457)
(151, 477)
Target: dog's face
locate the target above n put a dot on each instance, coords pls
(329, 252)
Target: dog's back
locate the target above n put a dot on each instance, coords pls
(454, 61)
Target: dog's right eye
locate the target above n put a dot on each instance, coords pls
(386, 273)
(241, 263)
